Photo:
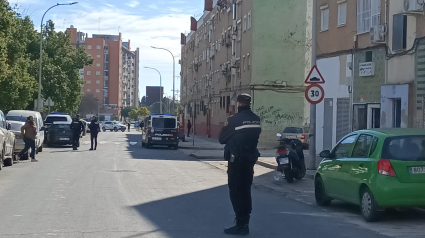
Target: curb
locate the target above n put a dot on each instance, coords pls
(198, 148)
(307, 175)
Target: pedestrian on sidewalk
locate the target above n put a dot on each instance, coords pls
(94, 131)
(189, 126)
(77, 127)
(240, 135)
(29, 130)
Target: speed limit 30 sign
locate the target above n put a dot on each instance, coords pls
(314, 94)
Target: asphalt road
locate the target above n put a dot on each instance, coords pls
(124, 190)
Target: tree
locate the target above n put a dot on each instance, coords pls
(89, 105)
(15, 36)
(155, 108)
(143, 101)
(135, 113)
(125, 111)
(61, 62)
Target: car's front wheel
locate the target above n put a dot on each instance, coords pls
(115, 129)
(103, 129)
(369, 206)
(320, 194)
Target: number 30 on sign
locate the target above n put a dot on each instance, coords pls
(314, 94)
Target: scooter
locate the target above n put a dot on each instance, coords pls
(290, 160)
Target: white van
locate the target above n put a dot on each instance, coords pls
(21, 115)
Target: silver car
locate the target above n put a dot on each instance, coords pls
(299, 133)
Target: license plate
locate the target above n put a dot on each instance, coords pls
(63, 138)
(283, 161)
(291, 137)
(417, 170)
(156, 138)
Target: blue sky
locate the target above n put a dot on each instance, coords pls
(146, 23)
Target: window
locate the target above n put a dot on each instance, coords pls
(243, 63)
(88, 90)
(400, 31)
(324, 18)
(89, 47)
(97, 72)
(239, 30)
(97, 81)
(98, 56)
(342, 150)
(249, 21)
(342, 14)
(98, 64)
(368, 57)
(97, 90)
(368, 15)
(98, 47)
(404, 148)
(88, 72)
(88, 81)
(249, 61)
(363, 147)
(244, 25)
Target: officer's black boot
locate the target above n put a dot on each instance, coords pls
(241, 228)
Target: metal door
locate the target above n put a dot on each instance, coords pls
(342, 118)
(328, 124)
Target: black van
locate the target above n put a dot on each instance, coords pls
(160, 129)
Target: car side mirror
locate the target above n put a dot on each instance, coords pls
(9, 126)
(325, 154)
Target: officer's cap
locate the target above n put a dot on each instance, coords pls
(244, 98)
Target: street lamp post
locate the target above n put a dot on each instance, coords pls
(174, 72)
(39, 104)
(160, 88)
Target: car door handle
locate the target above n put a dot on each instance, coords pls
(361, 164)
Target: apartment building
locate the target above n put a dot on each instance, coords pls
(372, 56)
(113, 77)
(242, 47)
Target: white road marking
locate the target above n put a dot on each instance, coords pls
(133, 143)
(102, 142)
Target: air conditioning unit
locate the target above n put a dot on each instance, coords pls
(377, 34)
(413, 6)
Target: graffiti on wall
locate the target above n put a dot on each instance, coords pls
(271, 116)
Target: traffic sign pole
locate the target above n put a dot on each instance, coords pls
(312, 141)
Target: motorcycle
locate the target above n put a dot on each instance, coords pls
(290, 160)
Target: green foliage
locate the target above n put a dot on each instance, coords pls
(126, 110)
(135, 113)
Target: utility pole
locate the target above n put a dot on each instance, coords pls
(312, 142)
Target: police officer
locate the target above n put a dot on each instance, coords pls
(94, 131)
(77, 127)
(240, 135)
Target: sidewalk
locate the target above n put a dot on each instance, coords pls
(205, 143)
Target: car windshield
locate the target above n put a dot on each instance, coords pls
(16, 118)
(60, 126)
(295, 130)
(167, 123)
(51, 119)
(16, 126)
(406, 148)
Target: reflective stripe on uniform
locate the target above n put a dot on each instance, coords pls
(247, 126)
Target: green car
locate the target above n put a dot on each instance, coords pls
(376, 169)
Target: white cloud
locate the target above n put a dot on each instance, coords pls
(152, 6)
(133, 4)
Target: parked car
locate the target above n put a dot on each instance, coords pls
(299, 133)
(21, 115)
(60, 133)
(87, 124)
(7, 142)
(160, 130)
(19, 138)
(113, 126)
(376, 169)
(53, 117)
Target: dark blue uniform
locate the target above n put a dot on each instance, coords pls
(77, 127)
(241, 135)
(94, 130)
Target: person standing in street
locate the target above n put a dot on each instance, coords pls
(240, 135)
(128, 125)
(77, 127)
(94, 131)
(29, 130)
(189, 126)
